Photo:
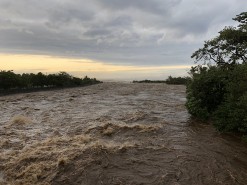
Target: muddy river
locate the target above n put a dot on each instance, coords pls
(113, 134)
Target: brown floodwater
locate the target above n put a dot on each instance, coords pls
(113, 134)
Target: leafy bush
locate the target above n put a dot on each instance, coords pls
(206, 90)
(231, 114)
(220, 95)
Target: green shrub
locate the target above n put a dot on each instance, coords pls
(206, 90)
(221, 95)
(231, 114)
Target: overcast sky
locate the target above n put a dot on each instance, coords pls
(116, 32)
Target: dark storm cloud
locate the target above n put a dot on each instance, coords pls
(137, 32)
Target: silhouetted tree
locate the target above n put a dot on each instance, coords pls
(228, 48)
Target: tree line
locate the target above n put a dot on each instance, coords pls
(218, 88)
(10, 80)
(170, 80)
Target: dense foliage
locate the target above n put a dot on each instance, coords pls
(218, 90)
(231, 114)
(206, 90)
(177, 80)
(9, 80)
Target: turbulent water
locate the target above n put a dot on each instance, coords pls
(113, 134)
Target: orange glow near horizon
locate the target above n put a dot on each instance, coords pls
(48, 64)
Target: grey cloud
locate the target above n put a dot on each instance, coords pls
(133, 32)
(97, 32)
(154, 6)
(123, 21)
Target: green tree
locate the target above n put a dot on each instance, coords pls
(8, 80)
(177, 80)
(219, 91)
(228, 48)
(39, 80)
